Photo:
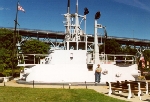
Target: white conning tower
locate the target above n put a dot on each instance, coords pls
(73, 32)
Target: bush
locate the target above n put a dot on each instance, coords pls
(147, 77)
(7, 72)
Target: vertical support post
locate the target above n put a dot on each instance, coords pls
(76, 22)
(34, 59)
(33, 83)
(104, 46)
(85, 24)
(38, 36)
(96, 48)
(14, 42)
(18, 60)
(67, 31)
(4, 83)
(23, 59)
(77, 48)
(101, 38)
(39, 61)
(69, 85)
(85, 84)
(76, 26)
(105, 58)
(63, 85)
(104, 53)
(86, 42)
(67, 45)
(56, 42)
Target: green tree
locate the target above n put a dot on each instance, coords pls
(110, 46)
(146, 54)
(34, 47)
(6, 45)
(128, 50)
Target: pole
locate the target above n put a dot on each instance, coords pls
(33, 83)
(133, 40)
(14, 42)
(96, 48)
(104, 45)
(16, 22)
(85, 84)
(85, 24)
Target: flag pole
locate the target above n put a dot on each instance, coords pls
(14, 42)
(16, 21)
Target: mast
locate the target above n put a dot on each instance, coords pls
(68, 7)
(15, 36)
(14, 41)
(96, 47)
(76, 22)
(73, 31)
(67, 16)
(16, 22)
(77, 7)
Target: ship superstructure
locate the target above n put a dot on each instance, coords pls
(74, 60)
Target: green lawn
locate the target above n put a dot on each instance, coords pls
(14, 94)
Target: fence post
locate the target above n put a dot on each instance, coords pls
(69, 85)
(85, 84)
(63, 85)
(33, 83)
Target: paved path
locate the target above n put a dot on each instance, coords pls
(100, 89)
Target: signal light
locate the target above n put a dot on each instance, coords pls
(97, 15)
(86, 11)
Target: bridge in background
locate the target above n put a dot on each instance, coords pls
(57, 36)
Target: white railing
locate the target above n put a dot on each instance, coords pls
(33, 59)
(104, 58)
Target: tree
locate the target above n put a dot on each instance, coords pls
(128, 50)
(146, 54)
(34, 47)
(111, 47)
(6, 45)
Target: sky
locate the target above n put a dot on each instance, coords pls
(122, 18)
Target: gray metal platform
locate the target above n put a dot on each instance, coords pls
(61, 83)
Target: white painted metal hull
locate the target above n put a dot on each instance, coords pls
(66, 70)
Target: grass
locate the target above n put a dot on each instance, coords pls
(15, 94)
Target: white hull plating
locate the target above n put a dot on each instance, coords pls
(79, 73)
(70, 66)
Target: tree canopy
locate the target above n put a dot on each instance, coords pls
(7, 61)
(110, 46)
(6, 46)
(34, 47)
